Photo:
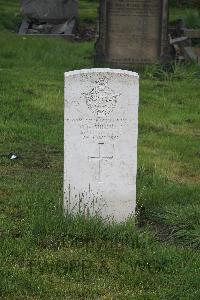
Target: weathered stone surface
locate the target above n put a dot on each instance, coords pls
(65, 28)
(132, 32)
(55, 11)
(101, 128)
(24, 27)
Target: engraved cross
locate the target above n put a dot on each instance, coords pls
(100, 159)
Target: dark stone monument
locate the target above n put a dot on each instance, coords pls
(49, 17)
(52, 11)
(132, 32)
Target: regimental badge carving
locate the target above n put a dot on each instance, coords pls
(101, 100)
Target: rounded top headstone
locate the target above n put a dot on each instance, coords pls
(101, 70)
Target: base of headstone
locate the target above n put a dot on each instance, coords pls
(65, 30)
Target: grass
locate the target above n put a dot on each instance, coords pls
(190, 16)
(88, 11)
(47, 256)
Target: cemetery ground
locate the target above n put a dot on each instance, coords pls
(47, 256)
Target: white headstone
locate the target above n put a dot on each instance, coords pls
(100, 142)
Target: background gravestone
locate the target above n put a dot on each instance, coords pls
(55, 11)
(132, 32)
(101, 127)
